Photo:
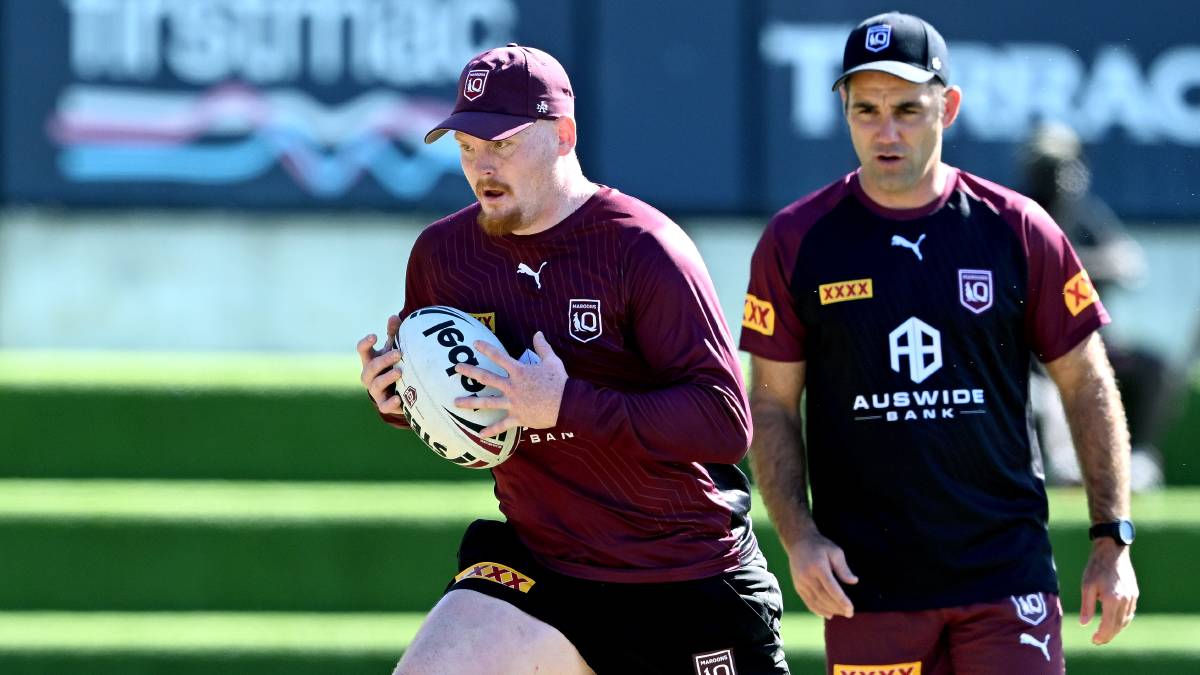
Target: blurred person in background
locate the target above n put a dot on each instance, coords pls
(905, 301)
(1056, 176)
(627, 545)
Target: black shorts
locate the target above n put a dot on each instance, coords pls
(722, 625)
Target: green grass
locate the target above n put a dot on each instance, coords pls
(379, 633)
(255, 417)
(175, 370)
(265, 501)
(203, 545)
(233, 502)
(115, 642)
(389, 633)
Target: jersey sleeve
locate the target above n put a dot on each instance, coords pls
(417, 294)
(1064, 307)
(701, 413)
(771, 325)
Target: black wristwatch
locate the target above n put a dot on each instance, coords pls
(1121, 531)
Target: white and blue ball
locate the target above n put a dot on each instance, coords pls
(433, 341)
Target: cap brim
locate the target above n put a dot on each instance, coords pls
(904, 71)
(485, 125)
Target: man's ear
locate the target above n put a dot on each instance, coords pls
(953, 103)
(565, 126)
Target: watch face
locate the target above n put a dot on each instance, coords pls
(1125, 529)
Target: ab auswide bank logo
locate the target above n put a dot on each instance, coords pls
(921, 344)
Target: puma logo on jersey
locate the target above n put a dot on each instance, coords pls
(897, 240)
(526, 269)
(1043, 644)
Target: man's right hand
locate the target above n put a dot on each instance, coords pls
(380, 371)
(814, 561)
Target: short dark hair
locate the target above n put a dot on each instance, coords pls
(938, 88)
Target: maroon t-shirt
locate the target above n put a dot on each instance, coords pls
(917, 329)
(637, 482)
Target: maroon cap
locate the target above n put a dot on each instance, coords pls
(506, 89)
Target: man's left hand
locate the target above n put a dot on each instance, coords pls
(532, 393)
(1108, 579)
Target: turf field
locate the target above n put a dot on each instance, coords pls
(249, 515)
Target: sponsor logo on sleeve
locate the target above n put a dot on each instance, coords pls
(715, 663)
(913, 668)
(843, 291)
(497, 573)
(758, 315)
(1079, 294)
(486, 318)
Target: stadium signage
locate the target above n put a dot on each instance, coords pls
(395, 42)
(1012, 85)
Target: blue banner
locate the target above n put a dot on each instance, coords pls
(699, 107)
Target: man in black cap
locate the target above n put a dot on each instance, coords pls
(627, 545)
(904, 300)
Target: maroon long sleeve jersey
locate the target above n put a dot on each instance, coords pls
(638, 481)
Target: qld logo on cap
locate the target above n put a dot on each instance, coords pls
(879, 37)
(473, 86)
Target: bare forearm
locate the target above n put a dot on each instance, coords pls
(777, 461)
(1101, 435)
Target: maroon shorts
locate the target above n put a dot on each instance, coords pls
(1018, 634)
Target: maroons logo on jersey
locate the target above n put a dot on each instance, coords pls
(758, 315)
(715, 663)
(584, 320)
(975, 290)
(1078, 293)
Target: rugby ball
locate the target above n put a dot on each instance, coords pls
(433, 340)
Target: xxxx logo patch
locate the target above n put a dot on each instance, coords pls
(1079, 294)
(758, 315)
(486, 318)
(913, 668)
(842, 291)
(500, 574)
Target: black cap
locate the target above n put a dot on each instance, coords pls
(898, 44)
